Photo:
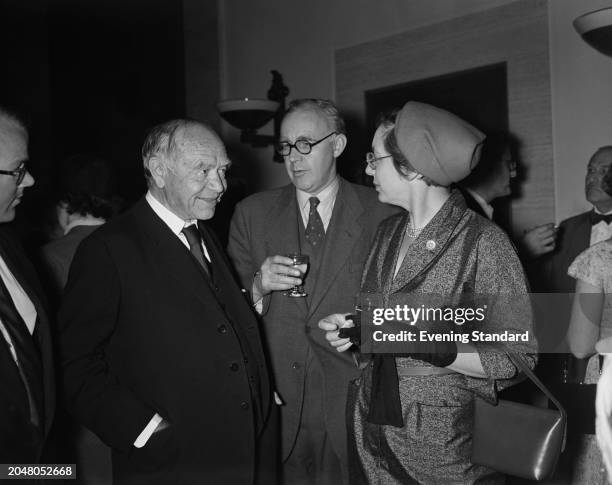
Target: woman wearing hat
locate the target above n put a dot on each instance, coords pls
(412, 413)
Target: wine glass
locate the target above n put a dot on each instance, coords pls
(298, 260)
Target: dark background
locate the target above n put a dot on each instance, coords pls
(90, 76)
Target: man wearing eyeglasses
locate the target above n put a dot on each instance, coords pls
(27, 394)
(492, 179)
(332, 221)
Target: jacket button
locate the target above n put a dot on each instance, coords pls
(234, 366)
(295, 365)
(221, 329)
(246, 361)
(244, 405)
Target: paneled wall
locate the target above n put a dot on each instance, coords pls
(516, 34)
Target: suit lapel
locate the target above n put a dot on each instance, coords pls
(344, 230)
(582, 235)
(283, 234)
(431, 242)
(171, 255)
(17, 266)
(23, 272)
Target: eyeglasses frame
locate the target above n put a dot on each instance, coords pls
(294, 145)
(19, 173)
(372, 160)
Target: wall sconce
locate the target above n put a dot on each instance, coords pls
(595, 28)
(248, 115)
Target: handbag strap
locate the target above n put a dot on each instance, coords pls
(519, 361)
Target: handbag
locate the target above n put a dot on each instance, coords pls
(519, 439)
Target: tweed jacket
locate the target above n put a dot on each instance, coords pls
(265, 225)
(458, 249)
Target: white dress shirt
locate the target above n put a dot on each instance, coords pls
(601, 231)
(486, 207)
(174, 222)
(22, 302)
(327, 199)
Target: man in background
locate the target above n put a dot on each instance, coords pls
(583, 230)
(27, 392)
(491, 180)
(321, 215)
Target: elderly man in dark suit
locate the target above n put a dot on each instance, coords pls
(161, 351)
(333, 222)
(27, 394)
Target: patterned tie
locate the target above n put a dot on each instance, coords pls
(30, 366)
(315, 232)
(194, 238)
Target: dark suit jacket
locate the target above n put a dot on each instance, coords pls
(265, 225)
(144, 332)
(574, 237)
(20, 440)
(472, 203)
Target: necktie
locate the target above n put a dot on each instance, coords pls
(597, 218)
(194, 238)
(315, 232)
(30, 367)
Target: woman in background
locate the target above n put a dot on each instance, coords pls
(591, 320)
(412, 413)
(603, 406)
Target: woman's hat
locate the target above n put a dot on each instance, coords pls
(437, 143)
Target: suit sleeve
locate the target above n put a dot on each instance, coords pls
(239, 248)
(240, 252)
(88, 322)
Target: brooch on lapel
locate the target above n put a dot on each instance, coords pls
(430, 245)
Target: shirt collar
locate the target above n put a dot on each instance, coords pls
(84, 221)
(486, 207)
(602, 213)
(174, 222)
(327, 195)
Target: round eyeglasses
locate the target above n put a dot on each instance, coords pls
(304, 147)
(18, 173)
(372, 160)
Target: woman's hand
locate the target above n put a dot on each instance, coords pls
(331, 325)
